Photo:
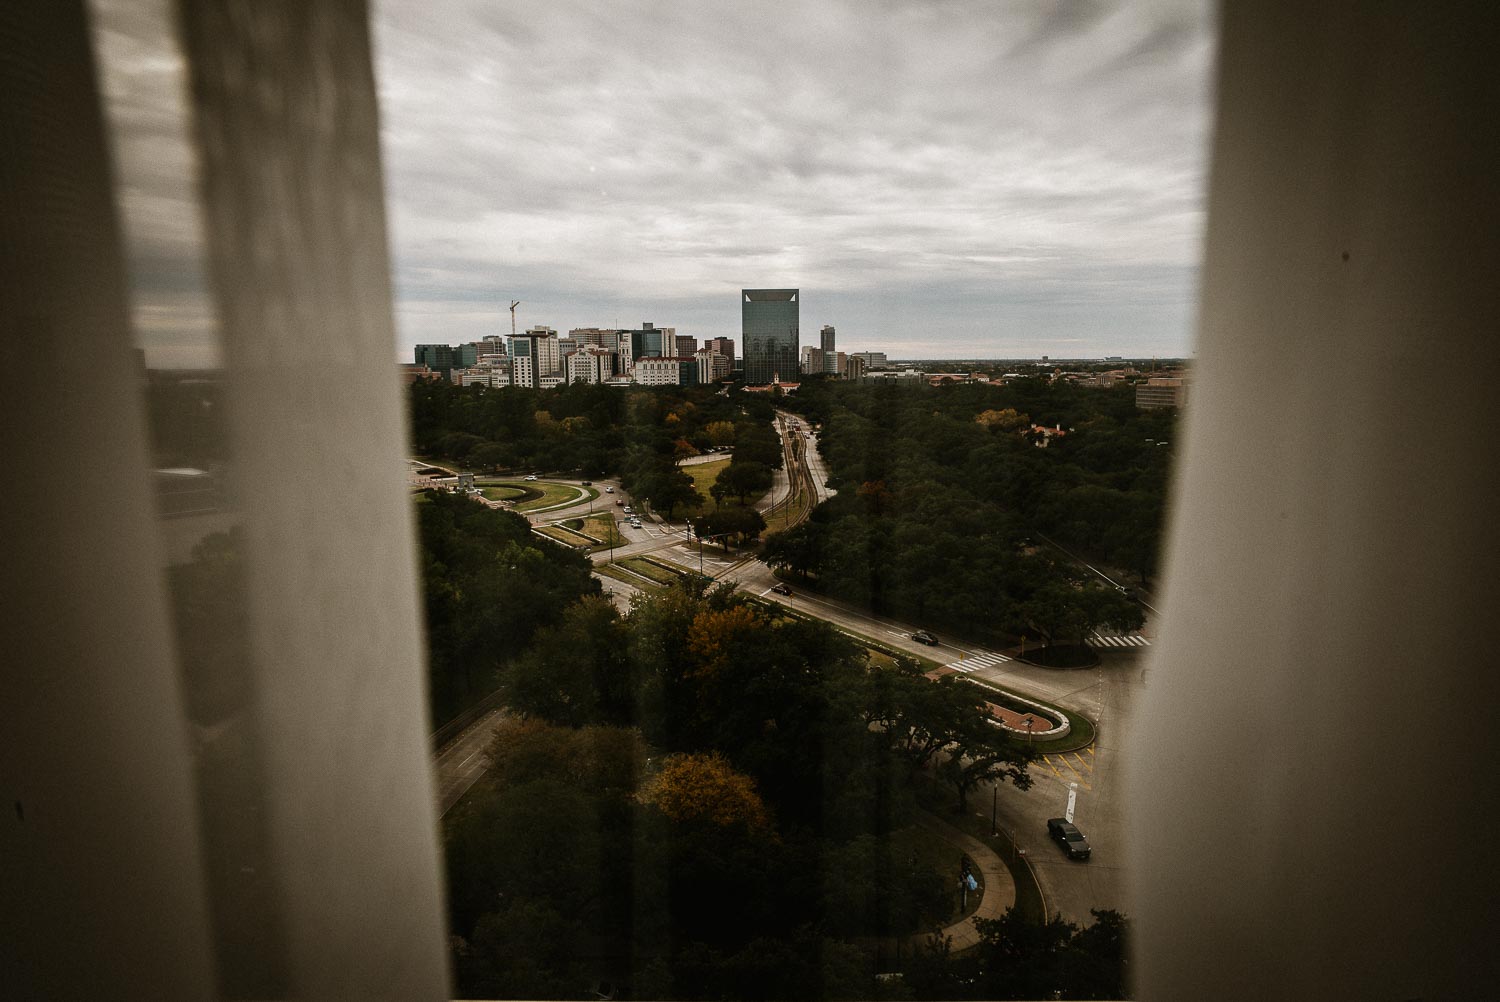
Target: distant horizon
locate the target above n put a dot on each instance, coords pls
(969, 180)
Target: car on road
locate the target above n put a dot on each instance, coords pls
(923, 637)
(609, 490)
(531, 476)
(1069, 837)
(782, 589)
(618, 501)
(627, 509)
(587, 483)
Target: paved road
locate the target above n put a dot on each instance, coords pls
(463, 761)
(1107, 694)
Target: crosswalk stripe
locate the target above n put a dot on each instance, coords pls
(1127, 641)
(970, 664)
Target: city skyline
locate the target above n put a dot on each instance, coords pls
(969, 180)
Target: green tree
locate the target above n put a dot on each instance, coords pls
(797, 549)
(720, 433)
(980, 751)
(489, 456)
(576, 672)
(743, 478)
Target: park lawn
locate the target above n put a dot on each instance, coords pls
(602, 525)
(502, 492)
(553, 494)
(565, 536)
(704, 475)
(651, 569)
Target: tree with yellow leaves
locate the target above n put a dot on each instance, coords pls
(715, 632)
(1004, 420)
(706, 788)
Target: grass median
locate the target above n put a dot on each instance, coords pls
(652, 570)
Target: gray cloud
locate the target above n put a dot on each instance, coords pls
(930, 174)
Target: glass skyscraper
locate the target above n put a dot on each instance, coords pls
(769, 334)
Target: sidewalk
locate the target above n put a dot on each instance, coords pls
(999, 889)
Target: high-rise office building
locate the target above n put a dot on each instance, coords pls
(829, 357)
(445, 358)
(533, 355)
(649, 341)
(490, 346)
(723, 346)
(685, 345)
(768, 325)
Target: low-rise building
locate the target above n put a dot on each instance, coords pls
(670, 371)
(1160, 392)
(493, 375)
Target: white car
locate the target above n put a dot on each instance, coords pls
(531, 476)
(609, 490)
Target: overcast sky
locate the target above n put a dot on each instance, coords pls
(939, 179)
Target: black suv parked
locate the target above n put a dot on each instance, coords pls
(1069, 837)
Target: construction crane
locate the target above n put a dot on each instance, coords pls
(513, 304)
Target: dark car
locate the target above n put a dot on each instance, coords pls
(923, 637)
(620, 502)
(1069, 837)
(588, 483)
(782, 589)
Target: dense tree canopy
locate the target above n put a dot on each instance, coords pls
(945, 504)
(704, 749)
(489, 583)
(587, 428)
